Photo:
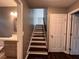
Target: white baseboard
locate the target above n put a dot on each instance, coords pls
(56, 50)
(66, 52)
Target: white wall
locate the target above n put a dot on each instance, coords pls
(38, 15)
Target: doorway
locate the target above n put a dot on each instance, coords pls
(74, 34)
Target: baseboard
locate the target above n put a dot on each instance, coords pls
(59, 52)
(55, 50)
(66, 52)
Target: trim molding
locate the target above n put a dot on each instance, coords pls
(69, 24)
(76, 10)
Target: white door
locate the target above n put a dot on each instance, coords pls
(75, 35)
(57, 32)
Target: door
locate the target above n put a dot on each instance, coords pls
(75, 35)
(57, 32)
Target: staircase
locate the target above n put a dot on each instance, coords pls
(38, 44)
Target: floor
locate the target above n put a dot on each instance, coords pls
(54, 56)
(61, 56)
(10, 58)
(2, 56)
(51, 56)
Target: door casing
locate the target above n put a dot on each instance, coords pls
(68, 46)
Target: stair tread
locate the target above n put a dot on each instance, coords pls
(38, 46)
(38, 52)
(38, 32)
(38, 37)
(38, 41)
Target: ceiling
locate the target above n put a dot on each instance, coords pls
(51, 3)
(7, 3)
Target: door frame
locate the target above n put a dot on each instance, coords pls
(20, 32)
(48, 27)
(69, 30)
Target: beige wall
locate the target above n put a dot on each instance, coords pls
(57, 10)
(74, 6)
(27, 27)
(6, 26)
